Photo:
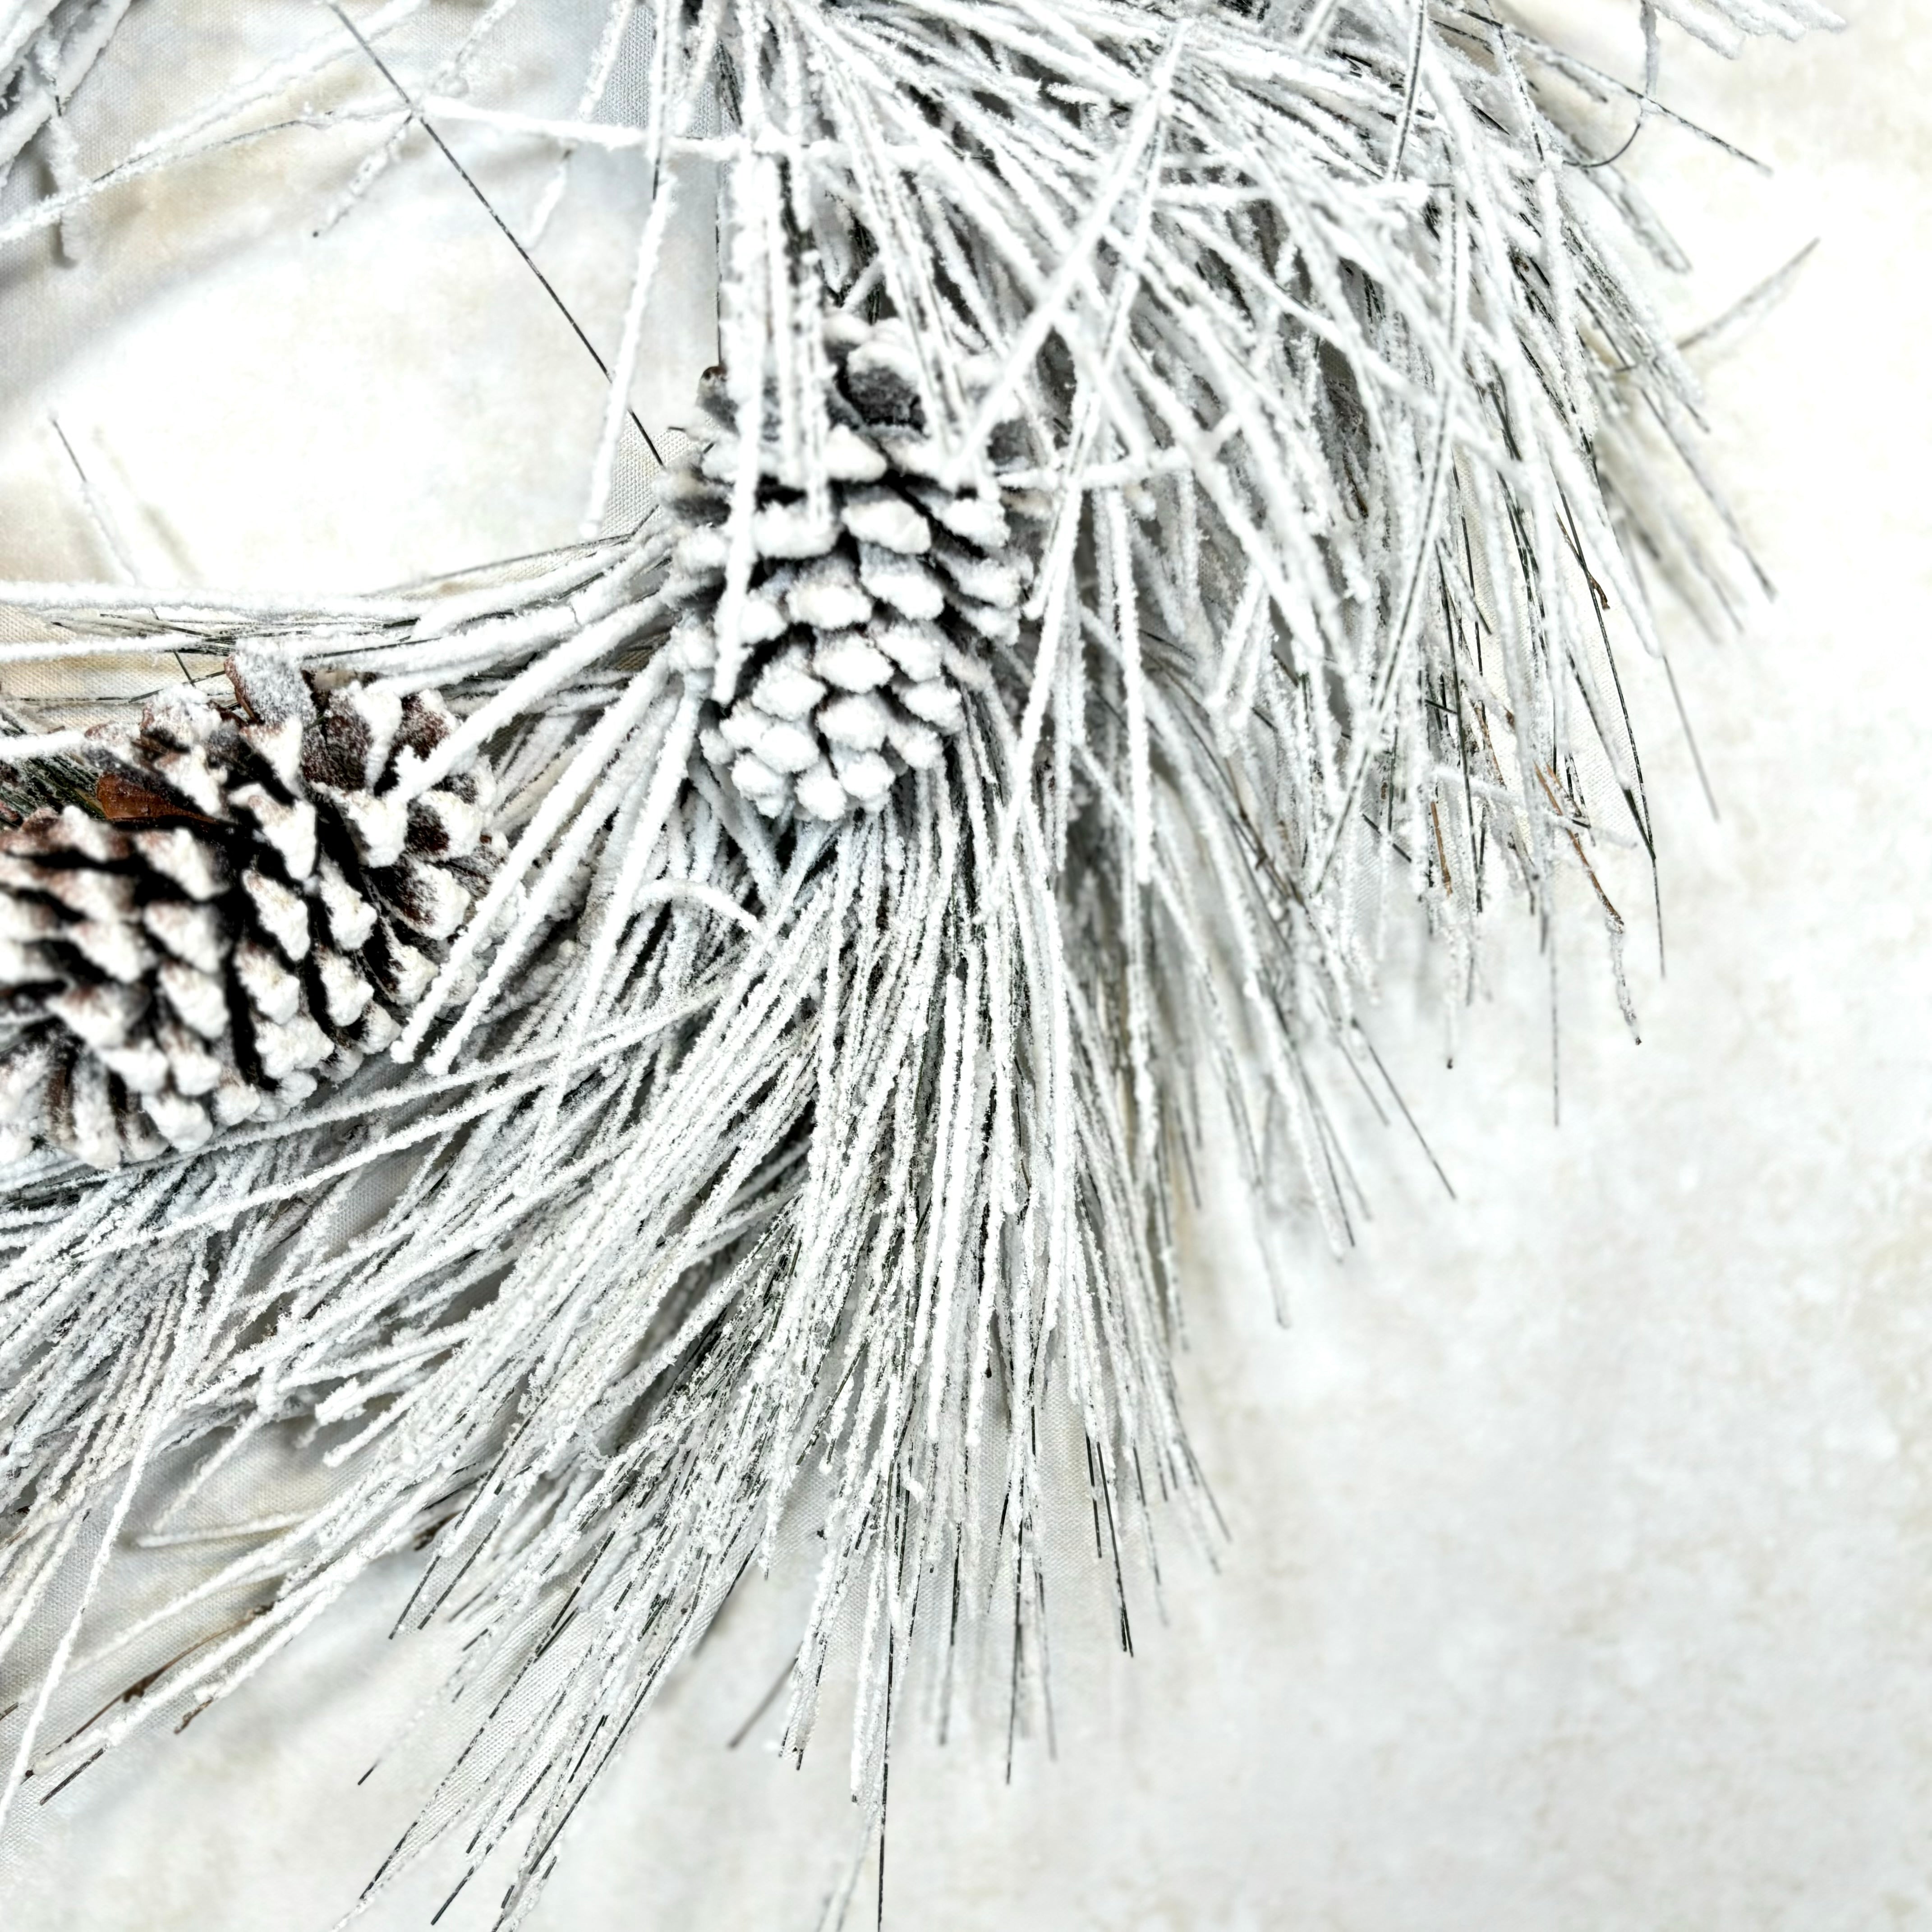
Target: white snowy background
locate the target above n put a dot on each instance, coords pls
(1579, 1572)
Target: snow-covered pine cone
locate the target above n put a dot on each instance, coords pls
(867, 607)
(258, 904)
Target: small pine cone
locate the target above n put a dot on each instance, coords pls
(259, 904)
(870, 599)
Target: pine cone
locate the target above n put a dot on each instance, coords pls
(257, 905)
(866, 607)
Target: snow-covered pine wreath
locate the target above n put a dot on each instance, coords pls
(805, 1093)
